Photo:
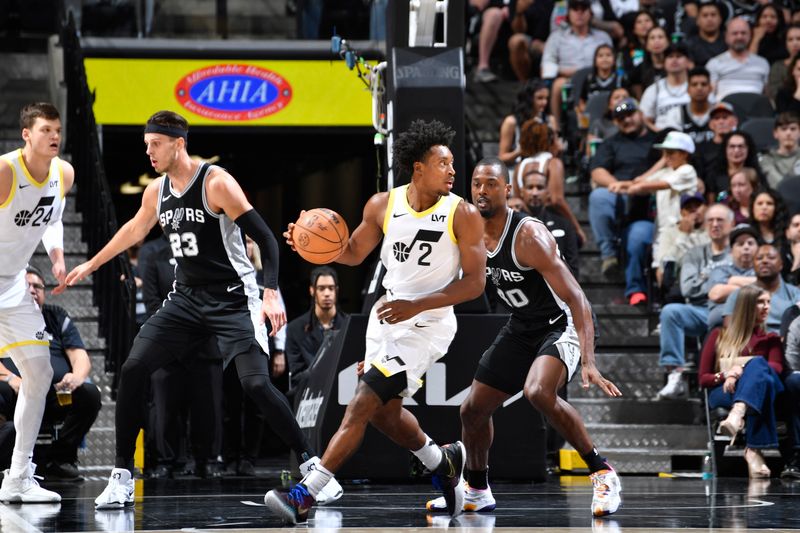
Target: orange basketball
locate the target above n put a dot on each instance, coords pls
(320, 235)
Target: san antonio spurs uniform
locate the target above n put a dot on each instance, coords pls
(30, 208)
(421, 256)
(215, 290)
(540, 323)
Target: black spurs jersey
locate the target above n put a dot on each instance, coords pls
(208, 247)
(524, 291)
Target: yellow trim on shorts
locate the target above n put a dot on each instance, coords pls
(22, 343)
(13, 184)
(383, 370)
(420, 214)
(451, 219)
(389, 208)
(28, 174)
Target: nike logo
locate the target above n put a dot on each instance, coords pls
(232, 288)
(21, 186)
(554, 320)
(419, 325)
(396, 215)
(167, 197)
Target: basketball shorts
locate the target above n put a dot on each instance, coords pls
(190, 314)
(21, 320)
(411, 346)
(505, 365)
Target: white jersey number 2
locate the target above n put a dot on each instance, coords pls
(183, 244)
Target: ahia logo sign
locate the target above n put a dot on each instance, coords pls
(233, 92)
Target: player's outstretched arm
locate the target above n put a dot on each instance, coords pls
(53, 237)
(535, 247)
(129, 234)
(468, 229)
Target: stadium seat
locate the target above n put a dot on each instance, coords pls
(760, 129)
(789, 189)
(750, 105)
(577, 81)
(596, 105)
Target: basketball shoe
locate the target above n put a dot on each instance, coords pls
(331, 492)
(606, 499)
(475, 501)
(447, 477)
(25, 489)
(118, 494)
(292, 505)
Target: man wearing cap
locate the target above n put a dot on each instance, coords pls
(678, 320)
(570, 48)
(667, 93)
(721, 120)
(71, 368)
(729, 277)
(620, 159)
(738, 70)
(708, 41)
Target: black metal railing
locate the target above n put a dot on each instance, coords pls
(113, 286)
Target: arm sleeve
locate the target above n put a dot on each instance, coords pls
(254, 226)
(708, 359)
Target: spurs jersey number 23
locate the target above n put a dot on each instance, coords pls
(419, 250)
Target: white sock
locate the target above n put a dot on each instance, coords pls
(316, 480)
(430, 454)
(34, 367)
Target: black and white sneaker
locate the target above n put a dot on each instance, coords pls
(448, 477)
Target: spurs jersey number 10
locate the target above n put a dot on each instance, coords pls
(31, 206)
(419, 250)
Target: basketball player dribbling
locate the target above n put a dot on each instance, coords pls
(33, 186)
(428, 235)
(549, 333)
(204, 212)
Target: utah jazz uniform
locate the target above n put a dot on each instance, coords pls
(540, 323)
(215, 289)
(421, 256)
(31, 207)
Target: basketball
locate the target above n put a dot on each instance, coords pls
(320, 235)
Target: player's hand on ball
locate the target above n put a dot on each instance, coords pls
(590, 374)
(79, 273)
(288, 233)
(397, 311)
(272, 310)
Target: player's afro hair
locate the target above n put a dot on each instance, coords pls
(413, 144)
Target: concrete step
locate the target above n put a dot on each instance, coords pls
(636, 374)
(650, 460)
(633, 411)
(99, 449)
(648, 436)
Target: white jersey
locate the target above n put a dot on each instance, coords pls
(419, 251)
(30, 208)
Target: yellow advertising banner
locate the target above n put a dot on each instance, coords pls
(228, 92)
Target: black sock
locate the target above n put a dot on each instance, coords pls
(595, 461)
(478, 479)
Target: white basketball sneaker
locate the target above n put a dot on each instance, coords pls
(331, 492)
(475, 500)
(606, 499)
(118, 494)
(25, 489)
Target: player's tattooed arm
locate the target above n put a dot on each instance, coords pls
(536, 247)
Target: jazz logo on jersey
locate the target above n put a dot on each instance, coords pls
(425, 238)
(181, 214)
(40, 215)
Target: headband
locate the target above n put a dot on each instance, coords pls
(165, 130)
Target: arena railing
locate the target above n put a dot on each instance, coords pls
(113, 285)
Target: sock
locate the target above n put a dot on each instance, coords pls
(430, 454)
(595, 461)
(316, 480)
(478, 479)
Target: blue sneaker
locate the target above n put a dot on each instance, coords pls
(448, 477)
(290, 504)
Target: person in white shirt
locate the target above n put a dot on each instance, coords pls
(669, 93)
(738, 70)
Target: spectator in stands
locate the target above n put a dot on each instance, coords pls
(71, 372)
(788, 97)
(532, 103)
(740, 366)
(604, 77)
(744, 183)
(768, 216)
(634, 51)
(691, 318)
(791, 383)
(738, 70)
(739, 152)
(791, 251)
(570, 49)
(768, 34)
(493, 15)
(730, 276)
(517, 204)
(721, 120)
(305, 333)
(653, 7)
(677, 239)
(669, 93)
(784, 160)
(536, 196)
(605, 127)
(620, 159)
(652, 68)
(709, 41)
(531, 27)
(780, 69)
(693, 118)
(768, 267)
(539, 147)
